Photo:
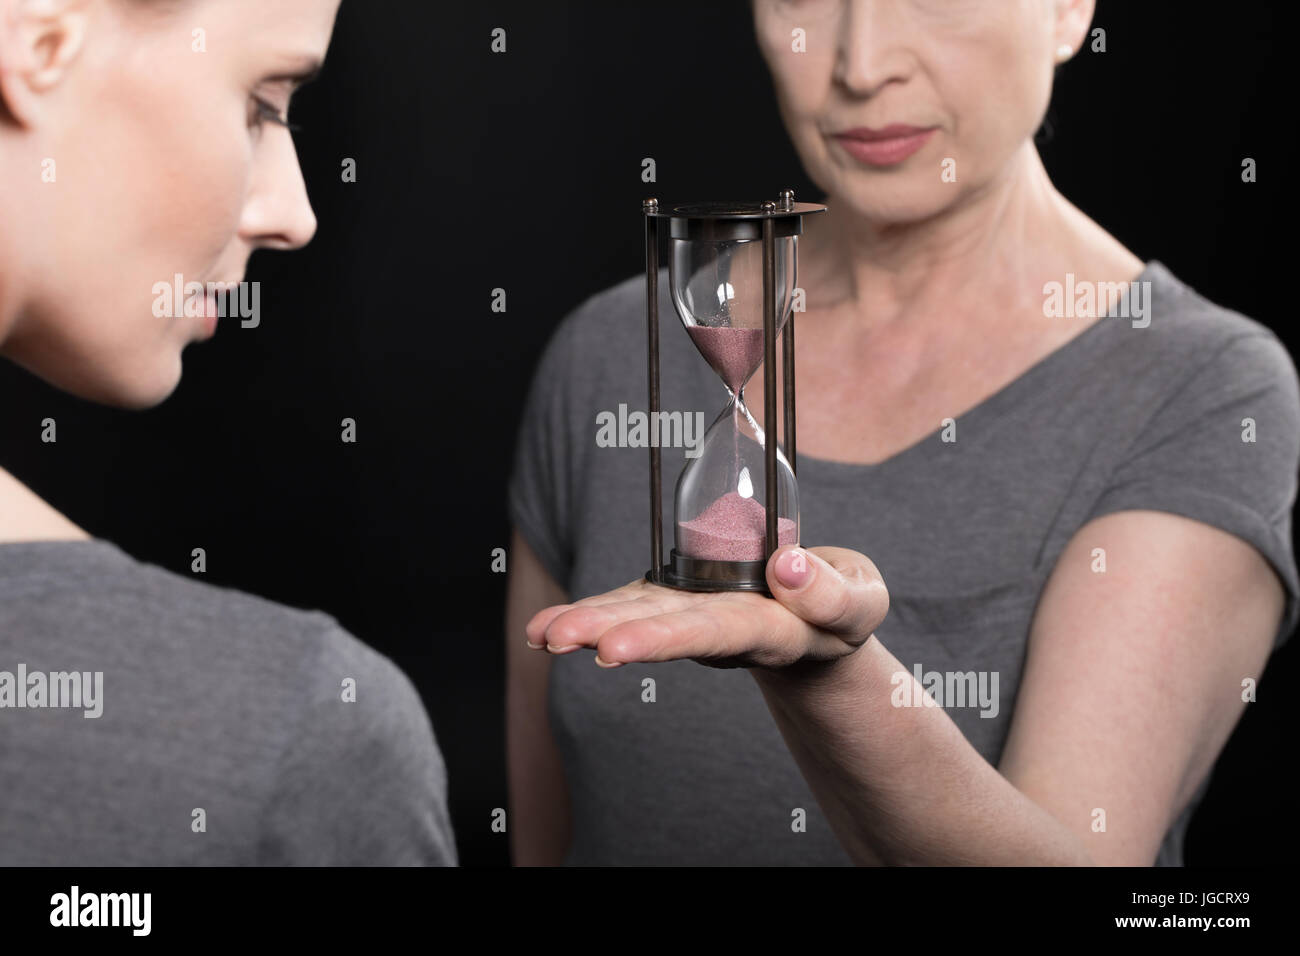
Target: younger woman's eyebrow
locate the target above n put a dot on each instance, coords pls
(299, 76)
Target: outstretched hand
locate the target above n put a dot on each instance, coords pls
(825, 603)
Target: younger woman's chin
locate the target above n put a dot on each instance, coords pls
(136, 388)
(146, 391)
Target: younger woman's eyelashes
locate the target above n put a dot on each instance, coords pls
(269, 112)
(277, 90)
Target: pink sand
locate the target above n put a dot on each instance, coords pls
(732, 529)
(733, 353)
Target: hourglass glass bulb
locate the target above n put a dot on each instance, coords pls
(734, 353)
(732, 528)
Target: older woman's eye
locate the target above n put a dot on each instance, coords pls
(805, 8)
(789, 14)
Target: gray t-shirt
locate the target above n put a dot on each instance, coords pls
(225, 734)
(965, 534)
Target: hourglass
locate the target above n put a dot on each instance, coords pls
(732, 271)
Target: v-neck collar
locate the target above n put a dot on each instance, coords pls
(1045, 369)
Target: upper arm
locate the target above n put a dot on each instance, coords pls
(539, 807)
(544, 497)
(362, 780)
(1133, 677)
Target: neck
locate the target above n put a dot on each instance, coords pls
(999, 244)
(28, 518)
(12, 218)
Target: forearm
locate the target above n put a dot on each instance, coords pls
(539, 819)
(902, 785)
(539, 822)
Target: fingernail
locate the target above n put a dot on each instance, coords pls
(536, 647)
(607, 663)
(562, 648)
(792, 568)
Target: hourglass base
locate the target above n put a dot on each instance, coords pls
(693, 574)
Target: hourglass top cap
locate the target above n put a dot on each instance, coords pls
(731, 219)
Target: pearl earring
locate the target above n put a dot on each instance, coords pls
(1064, 52)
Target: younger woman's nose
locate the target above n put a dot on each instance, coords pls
(277, 213)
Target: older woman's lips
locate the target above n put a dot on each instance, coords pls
(883, 147)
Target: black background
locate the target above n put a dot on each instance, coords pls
(523, 171)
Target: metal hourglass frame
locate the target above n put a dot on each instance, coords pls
(713, 221)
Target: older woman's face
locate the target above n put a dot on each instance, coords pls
(165, 163)
(970, 78)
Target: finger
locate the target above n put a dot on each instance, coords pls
(750, 629)
(567, 627)
(535, 629)
(835, 589)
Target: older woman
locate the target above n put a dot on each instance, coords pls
(141, 140)
(1083, 519)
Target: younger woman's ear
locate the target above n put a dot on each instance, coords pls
(1073, 17)
(39, 39)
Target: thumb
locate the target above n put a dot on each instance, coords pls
(835, 589)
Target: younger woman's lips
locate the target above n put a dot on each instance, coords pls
(208, 321)
(884, 152)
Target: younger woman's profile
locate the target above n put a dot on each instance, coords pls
(142, 140)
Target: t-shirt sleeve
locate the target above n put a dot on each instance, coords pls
(1225, 449)
(361, 781)
(539, 487)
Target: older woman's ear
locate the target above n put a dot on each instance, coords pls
(39, 40)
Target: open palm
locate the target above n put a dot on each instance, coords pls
(826, 602)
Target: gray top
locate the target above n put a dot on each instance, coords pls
(965, 533)
(210, 700)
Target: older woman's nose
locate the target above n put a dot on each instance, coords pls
(277, 213)
(872, 49)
